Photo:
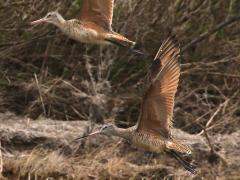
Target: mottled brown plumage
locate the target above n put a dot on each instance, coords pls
(153, 130)
(94, 25)
(98, 11)
(161, 89)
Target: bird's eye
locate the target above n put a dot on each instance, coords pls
(49, 15)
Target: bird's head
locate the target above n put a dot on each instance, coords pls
(51, 17)
(107, 129)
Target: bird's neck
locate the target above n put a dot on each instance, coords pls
(61, 23)
(124, 133)
(68, 26)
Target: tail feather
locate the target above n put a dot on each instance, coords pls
(121, 41)
(188, 166)
(178, 146)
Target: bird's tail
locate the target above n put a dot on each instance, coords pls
(121, 41)
(187, 165)
(176, 145)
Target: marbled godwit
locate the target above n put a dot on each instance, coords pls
(94, 25)
(153, 130)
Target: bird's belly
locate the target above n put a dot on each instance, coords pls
(86, 35)
(149, 143)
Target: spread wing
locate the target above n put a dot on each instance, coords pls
(98, 11)
(158, 101)
(164, 54)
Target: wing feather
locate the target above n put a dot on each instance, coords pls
(98, 11)
(158, 101)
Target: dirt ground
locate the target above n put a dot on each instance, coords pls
(45, 149)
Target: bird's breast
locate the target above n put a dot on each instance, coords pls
(148, 142)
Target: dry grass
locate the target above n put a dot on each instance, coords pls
(1, 160)
(103, 162)
(45, 149)
(109, 162)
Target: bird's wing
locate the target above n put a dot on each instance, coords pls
(158, 101)
(98, 11)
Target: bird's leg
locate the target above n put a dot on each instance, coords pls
(150, 156)
(188, 166)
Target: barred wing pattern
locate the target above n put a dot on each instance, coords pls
(98, 11)
(158, 101)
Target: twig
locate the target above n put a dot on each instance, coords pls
(197, 120)
(208, 33)
(212, 73)
(212, 148)
(219, 123)
(88, 67)
(214, 115)
(211, 63)
(1, 160)
(40, 94)
(208, 140)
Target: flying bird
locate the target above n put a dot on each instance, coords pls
(153, 130)
(94, 25)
